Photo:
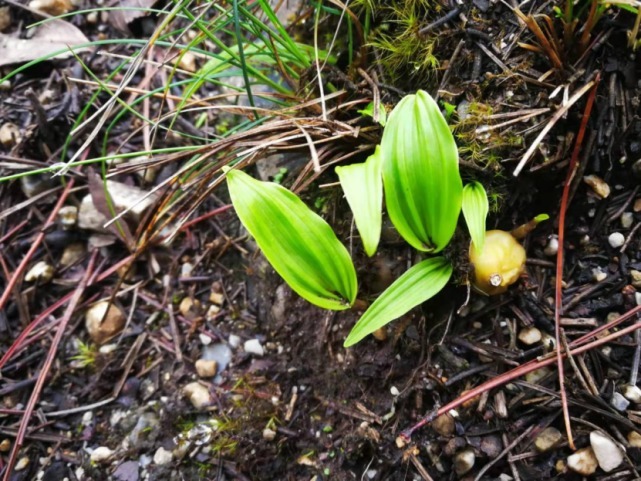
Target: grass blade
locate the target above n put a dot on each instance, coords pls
(418, 284)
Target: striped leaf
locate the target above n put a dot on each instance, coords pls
(363, 188)
(297, 242)
(475, 208)
(418, 284)
(423, 186)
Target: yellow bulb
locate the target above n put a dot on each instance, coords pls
(499, 264)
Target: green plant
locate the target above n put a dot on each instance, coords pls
(417, 167)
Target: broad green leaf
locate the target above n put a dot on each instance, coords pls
(423, 187)
(418, 284)
(296, 241)
(363, 188)
(475, 208)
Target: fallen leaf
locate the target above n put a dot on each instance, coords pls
(50, 37)
(120, 19)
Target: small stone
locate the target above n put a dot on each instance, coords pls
(464, 461)
(529, 335)
(205, 340)
(187, 62)
(186, 269)
(635, 277)
(40, 272)
(616, 240)
(269, 434)
(634, 439)
(636, 207)
(21, 464)
(444, 425)
(627, 218)
(188, 306)
(197, 394)
(212, 312)
(206, 368)
(5, 446)
(598, 185)
(234, 341)
(92, 18)
(217, 298)
(101, 454)
(394, 391)
(145, 431)
(537, 375)
(583, 462)
(598, 275)
(380, 334)
(52, 7)
(552, 248)
(608, 454)
(9, 134)
(162, 456)
(632, 393)
(253, 346)
(68, 216)
(547, 439)
(72, 254)
(104, 320)
(618, 402)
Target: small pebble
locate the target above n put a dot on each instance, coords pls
(552, 248)
(632, 393)
(206, 368)
(607, 452)
(547, 439)
(444, 425)
(635, 278)
(627, 218)
(186, 269)
(101, 454)
(598, 185)
(104, 320)
(537, 375)
(583, 462)
(253, 346)
(197, 394)
(269, 434)
(529, 335)
(52, 7)
(68, 216)
(394, 391)
(598, 275)
(217, 298)
(618, 402)
(634, 439)
(464, 461)
(234, 341)
(636, 207)
(162, 456)
(205, 340)
(21, 464)
(41, 272)
(9, 134)
(5, 446)
(616, 240)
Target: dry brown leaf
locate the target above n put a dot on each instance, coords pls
(120, 19)
(50, 37)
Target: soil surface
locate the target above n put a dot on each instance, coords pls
(216, 370)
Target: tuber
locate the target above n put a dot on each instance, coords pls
(499, 264)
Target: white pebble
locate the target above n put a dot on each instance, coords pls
(607, 452)
(269, 434)
(464, 461)
(101, 454)
(632, 393)
(529, 335)
(206, 367)
(616, 240)
(253, 346)
(618, 402)
(41, 271)
(197, 394)
(234, 341)
(598, 275)
(394, 390)
(205, 340)
(548, 438)
(162, 456)
(552, 248)
(22, 464)
(583, 462)
(627, 218)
